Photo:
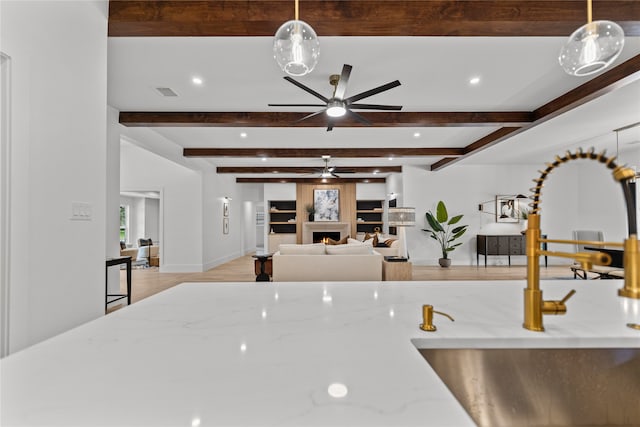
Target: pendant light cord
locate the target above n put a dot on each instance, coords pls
(589, 11)
(297, 9)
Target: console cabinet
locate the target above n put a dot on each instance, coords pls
(500, 245)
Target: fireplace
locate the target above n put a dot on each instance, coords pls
(320, 236)
(309, 228)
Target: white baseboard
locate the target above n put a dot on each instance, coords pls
(219, 261)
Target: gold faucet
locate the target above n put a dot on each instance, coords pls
(534, 305)
(427, 318)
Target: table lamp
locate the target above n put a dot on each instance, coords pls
(401, 218)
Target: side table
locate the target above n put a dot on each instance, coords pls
(263, 259)
(109, 298)
(397, 271)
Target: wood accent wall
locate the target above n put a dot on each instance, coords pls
(347, 205)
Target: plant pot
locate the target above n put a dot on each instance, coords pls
(444, 262)
(311, 217)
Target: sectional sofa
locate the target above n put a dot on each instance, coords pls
(353, 261)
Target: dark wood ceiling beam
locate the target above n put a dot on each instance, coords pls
(305, 169)
(288, 119)
(624, 74)
(617, 77)
(319, 152)
(441, 163)
(490, 139)
(366, 17)
(311, 180)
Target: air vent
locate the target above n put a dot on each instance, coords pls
(166, 91)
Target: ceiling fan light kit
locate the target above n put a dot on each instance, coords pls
(296, 47)
(592, 47)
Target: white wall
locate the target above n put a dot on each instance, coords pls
(59, 80)
(218, 247)
(152, 219)
(181, 193)
(577, 195)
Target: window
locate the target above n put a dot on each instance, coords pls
(124, 223)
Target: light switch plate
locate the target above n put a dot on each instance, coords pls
(81, 211)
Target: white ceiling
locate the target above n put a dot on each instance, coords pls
(517, 74)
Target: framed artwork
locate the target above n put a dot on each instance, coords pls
(225, 225)
(327, 205)
(506, 209)
(225, 209)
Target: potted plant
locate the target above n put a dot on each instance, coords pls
(311, 210)
(441, 230)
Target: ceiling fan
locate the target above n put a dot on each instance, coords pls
(331, 171)
(337, 106)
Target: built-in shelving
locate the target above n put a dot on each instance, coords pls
(369, 215)
(282, 216)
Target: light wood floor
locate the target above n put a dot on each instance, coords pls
(149, 281)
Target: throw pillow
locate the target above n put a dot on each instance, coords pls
(143, 253)
(342, 241)
(374, 238)
(389, 242)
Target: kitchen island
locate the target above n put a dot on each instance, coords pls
(290, 354)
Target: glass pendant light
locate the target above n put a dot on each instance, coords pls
(296, 47)
(592, 47)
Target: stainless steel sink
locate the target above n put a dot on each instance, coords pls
(543, 387)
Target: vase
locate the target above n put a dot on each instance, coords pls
(311, 217)
(444, 262)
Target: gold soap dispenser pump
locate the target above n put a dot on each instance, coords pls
(427, 318)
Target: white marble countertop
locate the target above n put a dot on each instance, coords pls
(265, 354)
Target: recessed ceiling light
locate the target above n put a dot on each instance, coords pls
(337, 390)
(474, 80)
(416, 135)
(375, 172)
(264, 159)
(275, 171)
(390, 158)
(243, 134)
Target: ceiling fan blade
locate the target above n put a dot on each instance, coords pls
(306, 88)
(376, 107)
(341, 88)
(334, 175)
(359, 118)
(309, 116)
(373, 91)
(296, 105)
